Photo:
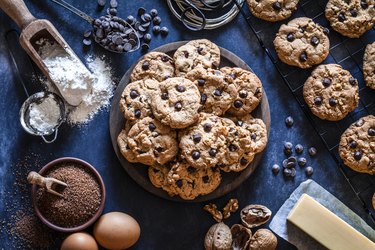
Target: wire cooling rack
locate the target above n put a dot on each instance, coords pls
(344, 51)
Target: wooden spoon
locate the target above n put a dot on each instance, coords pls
(33, 30)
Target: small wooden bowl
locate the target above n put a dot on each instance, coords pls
(92, 170)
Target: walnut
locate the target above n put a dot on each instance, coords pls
(255, 215)
(231, 207)
(241, 237)
(218, 237)
(263, 239)
(212, 209)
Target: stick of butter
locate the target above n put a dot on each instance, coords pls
(326, 227)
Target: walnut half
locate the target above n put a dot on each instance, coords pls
(218, 237)
(231, 207)
(212, 209)
(241, 237)
(263, 239)
(255, 215)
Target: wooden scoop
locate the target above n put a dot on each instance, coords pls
(49, 184)
(33, 30)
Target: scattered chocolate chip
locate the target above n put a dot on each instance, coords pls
(302, 161)
(86, 42)
(141, 11)
(352, 81)
(353, 12)
(164, 31)
(232, 147)
(146, 65)
(298, 148)
(130, 19)
(312, 151)
(87, 34)
(287, 172)
(243, 161)
(153, 12)
(332, 102)
(285, 163)
(197, 138)
(292, 159)
(112, 11)
(371, 132)
(290, 37)
(217, 92)
(326, 82)
(137, 113)
(101, 3)
(156, 29)
(309, 171)
(207, 127)
(290, 165)
(151, 126)
(318, 101)
(212, 152)
(276, 6)
(147, 38)
(164, 96)
(288, 148)
(201, 82)
(145, 46)
(238, 104)
(364, 4)
(134, 94)
(180, 88)
(196, 155)
(293, 172)
(178, 106)
(203, 98)
(275, 168)
(303, 57)
(341, 17)
(357, 155)
(113, 4)
(314, 41)
(156, 20)
(289, 121)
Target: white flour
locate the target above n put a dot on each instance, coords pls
(44, 116)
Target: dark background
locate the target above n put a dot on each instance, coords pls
(164, 224)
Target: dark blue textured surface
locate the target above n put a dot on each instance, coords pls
(164, 224)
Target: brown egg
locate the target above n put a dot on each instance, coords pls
(116, 230)
(79, 241)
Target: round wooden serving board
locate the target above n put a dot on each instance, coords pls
(139, 172)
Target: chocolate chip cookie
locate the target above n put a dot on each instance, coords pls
(216, 94)
(369, 65)
(176, 102)
(154, 65)
(149, 142)
(249, 90)
(204, 144)
(302, 43)
(357, 145)
(196, 53)
(272, 10)
(135, 99)
(351, 18)
(331, 92)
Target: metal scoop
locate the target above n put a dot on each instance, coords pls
(38, 98)
(111, 32)
(50, 184)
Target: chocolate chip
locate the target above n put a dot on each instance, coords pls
(292, 159)
(134, 94)
(289, 121)
(207, 127)
(285, 163)
(112, 11)
(325, 30)
(101, 3)
(127, 47)
(137, 113)
(357, 155)
(179, 183)
(290, 37)
(146, 18)
(205, 179)
(186, 54)
(243, 161)
(156, 29)
(353, 12)
(201, 82)
(145, 47)
(371, 132)
(353, 144)
(200, 49)
(203, 98)
(238, 104)
(212, 152)
(309, 171)
(364, 4)
(287, 172)
(86, 42)
(164, 31)
(232, 147)
(159, 149)
(156, 20)
(147, 38)
(291, 165)
(288, 148)
(275, 169)
(303, 57)
(178, 106)
(352, 81)
(299, 149)
(326, 82)
(233, 76)
(87, 34)
(196, 155)
(276, 6)
(253, 136)
(164, 96)
(359, 123)
(302, 161)
(217, 92)
(191, 170)
(164, 58)
(151, 126)
(312, 151)
(243, 94)
(318, 101)
(341, 17)
(314, 41)
(130, 19)
(146, 65)
(293, 172)
(302, 28)
(197, 138)
(153, 12)
(239, 123)
(332, 102)
(180, 88)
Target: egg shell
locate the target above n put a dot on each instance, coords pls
(79, 241)
(116, 230)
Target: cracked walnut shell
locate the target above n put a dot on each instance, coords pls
(255, 215)
(241, 237)
(263, 239)
(218, 237)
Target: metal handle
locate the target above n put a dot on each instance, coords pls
(74, 10)
(54, 137)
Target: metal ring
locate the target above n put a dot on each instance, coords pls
(184, 19)
(214, 6)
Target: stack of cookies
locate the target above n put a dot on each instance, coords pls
(188, 120)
